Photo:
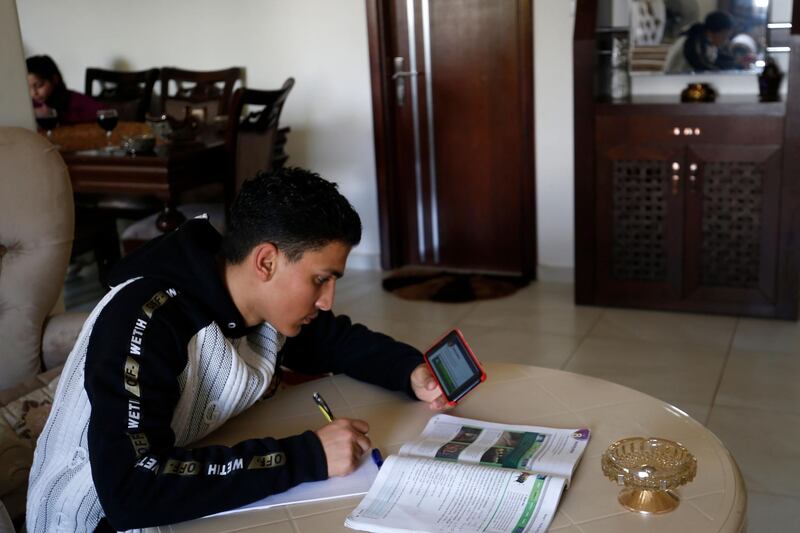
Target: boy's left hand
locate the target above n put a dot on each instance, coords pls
(426, 388)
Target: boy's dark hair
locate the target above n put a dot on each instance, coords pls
(718, 21)
(294, 209)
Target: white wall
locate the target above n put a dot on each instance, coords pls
(554, 21)
(323, 44)
(15, 108)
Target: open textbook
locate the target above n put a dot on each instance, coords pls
(466, 475)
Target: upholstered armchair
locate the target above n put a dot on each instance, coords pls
(36, 232)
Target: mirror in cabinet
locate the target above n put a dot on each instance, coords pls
(670, 43)
(686, 36)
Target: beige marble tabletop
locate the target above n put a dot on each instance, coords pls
(516, 394)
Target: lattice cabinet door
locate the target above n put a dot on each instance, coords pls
(639, 229)
(732, 218)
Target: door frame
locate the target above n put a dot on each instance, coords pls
(390, 220)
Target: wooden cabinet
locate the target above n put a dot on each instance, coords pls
(683, 221)
(686, 207)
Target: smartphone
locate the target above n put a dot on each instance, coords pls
(454, 366)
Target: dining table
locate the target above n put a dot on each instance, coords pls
(100, 166)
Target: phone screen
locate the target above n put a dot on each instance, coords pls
(454, 366)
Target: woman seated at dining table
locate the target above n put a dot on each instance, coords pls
(48, 91)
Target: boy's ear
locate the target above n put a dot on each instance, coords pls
(265, 260)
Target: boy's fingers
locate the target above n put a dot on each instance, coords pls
(360, 425)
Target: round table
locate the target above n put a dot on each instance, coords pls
(515, 394)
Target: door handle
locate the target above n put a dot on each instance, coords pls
(676, 178)
(399, 81)
(676, 183)
(693, 177)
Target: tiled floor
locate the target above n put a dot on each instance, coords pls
(739, 376)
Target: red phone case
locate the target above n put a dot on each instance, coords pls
(471, 355)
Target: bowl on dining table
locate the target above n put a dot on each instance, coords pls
(139, 144)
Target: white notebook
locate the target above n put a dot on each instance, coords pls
(356, 484)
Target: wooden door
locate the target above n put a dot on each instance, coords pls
(453, 105)
(732, 226)
(639, 224)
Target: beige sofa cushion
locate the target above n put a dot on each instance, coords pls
(36, 232)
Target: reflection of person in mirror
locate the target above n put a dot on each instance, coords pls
(703, 47)
(48, 91)
(744, 51)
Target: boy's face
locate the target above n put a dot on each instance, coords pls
(299, 290)
(719, 38)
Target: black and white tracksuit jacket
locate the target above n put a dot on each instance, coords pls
(163, 360)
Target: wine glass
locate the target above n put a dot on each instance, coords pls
(107, 119)
(47, 118)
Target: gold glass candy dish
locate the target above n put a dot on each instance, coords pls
(649, 469)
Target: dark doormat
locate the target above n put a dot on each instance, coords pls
(451, 287)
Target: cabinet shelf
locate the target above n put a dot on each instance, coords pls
(668, 106)
(741, 105)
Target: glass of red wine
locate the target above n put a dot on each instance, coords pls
(107, 119)
(47, 119)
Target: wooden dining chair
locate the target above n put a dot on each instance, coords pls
(207, 94)
(129, 93)
(254, 143)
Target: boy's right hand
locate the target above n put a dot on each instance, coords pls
(344, 441)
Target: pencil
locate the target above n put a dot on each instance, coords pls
(323, 406)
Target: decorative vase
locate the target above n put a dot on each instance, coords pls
(769, 81)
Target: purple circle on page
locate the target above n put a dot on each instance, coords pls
(581, 434)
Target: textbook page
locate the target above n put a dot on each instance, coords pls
(542, 450)
(422, 494)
